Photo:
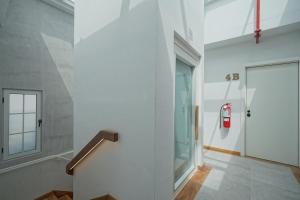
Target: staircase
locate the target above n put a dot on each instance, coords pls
(67, 195)
(87, 149)
(56, 195)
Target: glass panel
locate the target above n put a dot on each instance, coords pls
(29, 141)
(15, 123)
(183, 120)
(29, 122)
(30, 103)
(15, 143)
(15, 103)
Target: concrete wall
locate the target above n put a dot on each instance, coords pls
(36, 45)
(232, 59)
(3, 9)
(226, 19)
(124, 80)
(30, 182)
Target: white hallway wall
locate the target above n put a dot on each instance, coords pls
(231, 59)
(124, 80)
(114, 88)
(226, 19)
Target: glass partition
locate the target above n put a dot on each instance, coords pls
(184, 162)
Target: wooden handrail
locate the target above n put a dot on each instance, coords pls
(91, 146)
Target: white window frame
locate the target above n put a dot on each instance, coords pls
(6, 102)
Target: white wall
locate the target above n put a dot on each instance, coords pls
(124, 80)
(226, 19)
(186, 18)
(114, 88)
(232, 59)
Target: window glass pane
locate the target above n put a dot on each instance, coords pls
(29, 122)
(15, 123)
(15, 103)
(29, 141)
(30, 103)
(183, 121)
(15, 143)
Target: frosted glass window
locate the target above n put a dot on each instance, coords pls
(30, 103)
(22, 133)
(29, 141)
(15, 123)
(15, 103)
(183, 121)
(29, 122)
(15, 143)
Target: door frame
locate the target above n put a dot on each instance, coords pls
(187, 54)
(244, 97)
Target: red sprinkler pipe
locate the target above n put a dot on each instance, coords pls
(258, 30)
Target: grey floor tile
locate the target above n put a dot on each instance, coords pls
(263, 191)
(240, 178)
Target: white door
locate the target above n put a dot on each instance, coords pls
(272, 113)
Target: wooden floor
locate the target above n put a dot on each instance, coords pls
(193, 186)
(296, 172)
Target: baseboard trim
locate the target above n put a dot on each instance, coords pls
(32, 162)
(236, 153)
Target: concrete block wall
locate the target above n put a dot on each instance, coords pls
(36, 52)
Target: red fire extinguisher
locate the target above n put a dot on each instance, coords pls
(225, 115)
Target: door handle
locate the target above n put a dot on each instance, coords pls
(248, 113)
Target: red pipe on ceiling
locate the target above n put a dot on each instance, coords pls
(258, 30)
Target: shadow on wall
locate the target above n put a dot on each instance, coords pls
(164, 122)
(32, 32)
(252, 10)
(110, 45)
(291, 10)
(35, 180)
(124, 8)
(122, 43)
(217, 94)
(214, 4)
(184, 19)
(224, 132)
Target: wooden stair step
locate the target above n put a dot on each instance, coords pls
(105, 197)
(56, 195)
(59, 193)
(65, 197)
(52, 196)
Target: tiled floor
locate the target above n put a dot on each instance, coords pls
(240, 178)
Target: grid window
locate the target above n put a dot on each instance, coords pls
(22, 122)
